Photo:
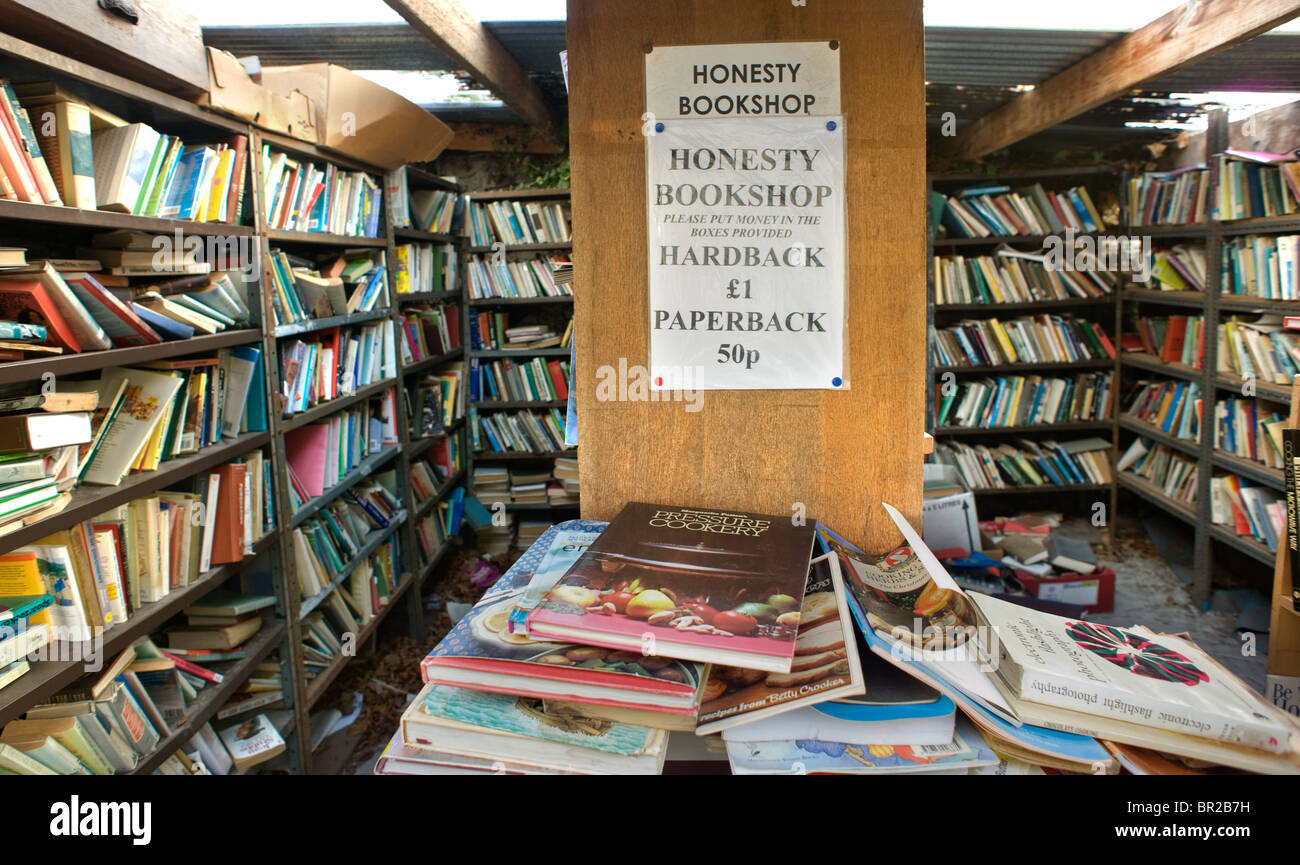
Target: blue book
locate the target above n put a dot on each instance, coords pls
(167, 328)
(476, 514)
(182, 197)
(255, 416)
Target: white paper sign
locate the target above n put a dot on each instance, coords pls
(756, 79)
(747, 254)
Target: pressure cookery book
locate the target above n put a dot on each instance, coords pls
(488, 651)
(688, 583)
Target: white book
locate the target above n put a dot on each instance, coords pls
(111, 568)
(68, 612)
(1134, 675)
(148, 395)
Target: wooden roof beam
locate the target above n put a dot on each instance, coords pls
(456, 33)
(1192, 32)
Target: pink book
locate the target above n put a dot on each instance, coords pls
(305, 448)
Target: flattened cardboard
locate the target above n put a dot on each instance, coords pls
(231, 91)
(359, 118)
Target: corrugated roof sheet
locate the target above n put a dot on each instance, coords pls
(971, 70)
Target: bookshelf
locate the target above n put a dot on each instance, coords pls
(1216, 387)
(417, 446)
(56, 231)
(942, 313)
(554, 310)
(50, 231)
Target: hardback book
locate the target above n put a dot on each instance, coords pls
(148, 396)
(826, 665)
(683, 579)
(46, 750)
(40, 431)
(223, 602)
(18, 762)
(71, 733)
(1130, 674)
(252, 742)
(488, 649)
(966, 751)
(1070, 555)
(121, 158)
(101, 724)
(518, 729)
(398, 758)
(66, 145)
(227, 637)
(1291, 474)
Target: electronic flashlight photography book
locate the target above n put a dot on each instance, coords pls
(488, 651)
(693, 584)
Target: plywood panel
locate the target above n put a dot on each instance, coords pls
(839, 454)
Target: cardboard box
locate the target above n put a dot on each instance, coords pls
(231, 91)
(357, 117)
(1094, 592)
(949, 524)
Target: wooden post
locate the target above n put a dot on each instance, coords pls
(836, 454)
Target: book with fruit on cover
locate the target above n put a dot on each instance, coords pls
(826, 665)
(688, 583)
(487, 651)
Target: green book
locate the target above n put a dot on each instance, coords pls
(151, 175)
(22, 606)
(226, 603)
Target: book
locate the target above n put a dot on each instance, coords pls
(825, 668)
(1161, 681)
(252, 742)
(713, 560)
(122, 157)
(517, 729)
(967, 750)
(223, 602)
(149, 394)
(71, 733)
(1069, 555)
(488, 649)
(227, 637)
(63, 132)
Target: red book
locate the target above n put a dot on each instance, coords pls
(228, 528)
(27, 301)
(194, 669)
(119, 321)
(15, 161)
(1100, 333)
(1172, 351)
(557, 379)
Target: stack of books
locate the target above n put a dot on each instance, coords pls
(1036, 339)
(425, 268)
(1173, 338)
(334, 362)
(335, 285)
(537, 379)
(507, 278)
(1260, 348)
(1179, 268)
(1253, 184)
(1167, 197)
(1028, 464)
(998, 211)
(1172, 472)
(1012, 277)
(518, 222)
(139, 552)
(590, 653)
(1265, 266)
(304, 196)
(430, 331)
(518, 432)
(1173, 406)
(110, 164)
(1251, 430)
(120, 293)
(320, 455)
(1017, 401)
(528, 486)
